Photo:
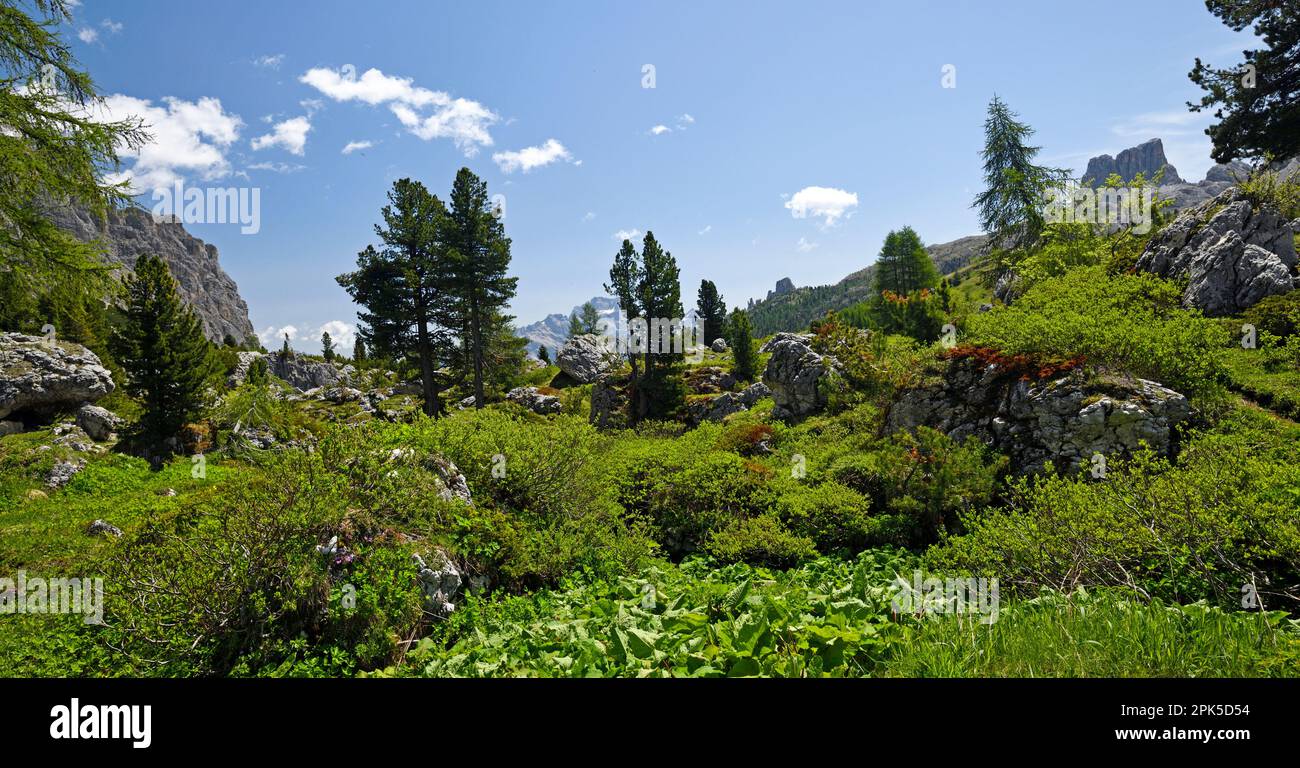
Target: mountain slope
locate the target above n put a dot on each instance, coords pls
(793, 310)
(132, 232)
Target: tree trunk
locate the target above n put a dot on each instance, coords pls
(432, 405)
(476, 324)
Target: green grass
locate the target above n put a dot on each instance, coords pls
(1273, 387)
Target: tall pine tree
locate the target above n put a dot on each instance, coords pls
(161, 346)
(477, 240)
(740, 337)
(408, 289)
(711, 312)
(1011, 205)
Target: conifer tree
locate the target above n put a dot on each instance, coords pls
(327, 347)
(161, 346)
(408, 290)
(52, 151)
(359, 350)
(740, 337)
(543, 355)
(711, 312)
(481, 251)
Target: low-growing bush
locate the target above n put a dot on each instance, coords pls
(1132, 323)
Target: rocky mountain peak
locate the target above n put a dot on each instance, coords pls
(129, 233)
(1147, 158)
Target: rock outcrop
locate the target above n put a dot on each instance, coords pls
(440, 582)
(98, 423)
(586, 358)
(722, 406)
(302, 373)
(534, 400)
(1065, 420)
(1231, 252)
(40, 375)
(783, 286)
(1147, 158)
(132, 232)
(795, 373)
(609, 402)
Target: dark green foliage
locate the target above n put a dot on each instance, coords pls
(1222, 517)
(903, 265)
(1278, 315)
(52, 152)
(161, 345)
(1011, 205)
(1258, 102)
(711, 312)
(407, 290)
(543, 355)
(327, 347)
(480, 251)
(359, 351)
(740, 338)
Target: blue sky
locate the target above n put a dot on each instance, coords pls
(791, 137)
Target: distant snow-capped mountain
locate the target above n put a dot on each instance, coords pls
(553, 330)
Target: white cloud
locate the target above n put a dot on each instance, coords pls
(276, 167)
(627, 234)
(87, 35)
(684, 120)
(312, 106)
(660, 130)
(189, 137)
(531, 157)
(272, 338)
(290, 134)
(589, 216)
(424, 113)
(707, 229)
(353, 146)
(804, 246)
(113, 27)
(827, 203)
(269, 61)
(341, 333)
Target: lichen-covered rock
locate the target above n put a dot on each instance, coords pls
(715, 409)
(534, 400)
(440, 582)
(718, 345)
(795, 373)
(709, 380)
(1232, 254)
(36, 374)
(98, 423)
(62, 472)
(103, 528)
(1065, 420)
(586, 358)
(302, 373)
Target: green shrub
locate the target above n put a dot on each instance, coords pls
(761, 541)
(833, 516)
(1278, 315)
(1133, 323)
(1220, 521)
